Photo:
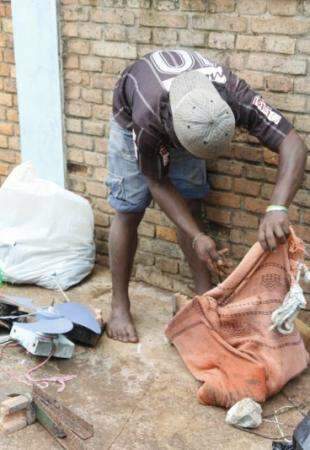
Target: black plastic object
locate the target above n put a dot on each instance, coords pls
(6, 310)
(301, 436)
(282, 446)
(82, 335)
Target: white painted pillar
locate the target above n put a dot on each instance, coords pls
(39, 86)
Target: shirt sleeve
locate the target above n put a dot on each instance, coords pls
(153, 157)
(253, 113)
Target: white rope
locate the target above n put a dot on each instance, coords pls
(283, 317)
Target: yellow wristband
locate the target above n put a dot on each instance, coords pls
(272, 208)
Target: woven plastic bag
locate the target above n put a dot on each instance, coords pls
(46, 232)
(224, 336)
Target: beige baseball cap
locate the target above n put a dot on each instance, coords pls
(203, 122)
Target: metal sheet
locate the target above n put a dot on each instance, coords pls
(80, 315)
(57, 326)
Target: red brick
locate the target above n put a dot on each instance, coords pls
(243, 236)
(256, 205)
(6, 129)
(224, 199)
(267, 190)
(167, 264)
(283, 7)
(142, 35)
(303, 232)
(302, 85)
(221, 6)
(166, 36)
(4, 168)
(169, 20)
(221, 40)
(306, 216)
(221, 182)
(247, 153)
(244, 186)
(279, 83)
(226, 167)
(271, 157)
(79, 46)
(252, 7)
(238, 251)
(287, 102)
(280, 25)
(193, 5)
(114, 49)
(303, 46)
(113, 16)
(246, 220)
(168, 234)
(192, 38)
(220, 23)
(78, 109)
(277, 63)
(302, 198)
(218, 215)
(146, 229)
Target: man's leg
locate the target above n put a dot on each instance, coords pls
(201, 275)
(123, 241)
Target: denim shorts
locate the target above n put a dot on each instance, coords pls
(128, 189)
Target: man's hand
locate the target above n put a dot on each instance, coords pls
(206, 251)
(274, 230)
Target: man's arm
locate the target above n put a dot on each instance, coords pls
(274, 226)
(176, 208)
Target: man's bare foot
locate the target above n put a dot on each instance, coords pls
(120, 326)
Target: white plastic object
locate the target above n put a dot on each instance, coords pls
(46, 232)
(283, 317)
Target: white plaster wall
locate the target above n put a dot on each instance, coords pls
(39, 86)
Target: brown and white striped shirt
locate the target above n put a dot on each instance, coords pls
(143, 85)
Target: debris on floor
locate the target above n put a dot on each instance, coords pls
(246, 414)
(19, 411)
(16, 412)
(48, 332)
(133, 394)
(66, 427)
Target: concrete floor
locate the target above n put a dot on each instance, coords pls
(138, 396)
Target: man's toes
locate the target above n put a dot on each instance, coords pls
(132, 336)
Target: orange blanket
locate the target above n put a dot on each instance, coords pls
(224, 335)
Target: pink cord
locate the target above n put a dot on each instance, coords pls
(44, 382)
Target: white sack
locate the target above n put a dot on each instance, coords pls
(44, 230)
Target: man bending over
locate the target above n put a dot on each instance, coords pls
(172, 110)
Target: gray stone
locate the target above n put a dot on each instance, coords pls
(246, 413)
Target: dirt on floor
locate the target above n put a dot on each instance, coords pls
(137, 396)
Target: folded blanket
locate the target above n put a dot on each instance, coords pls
(224, 335)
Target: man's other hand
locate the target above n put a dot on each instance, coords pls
(215, 260)
(274, 230)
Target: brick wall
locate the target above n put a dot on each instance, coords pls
(265, 41)
(9, 129)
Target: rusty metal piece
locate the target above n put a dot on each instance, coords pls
(69, 420)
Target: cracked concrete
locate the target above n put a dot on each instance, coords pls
(138, 396)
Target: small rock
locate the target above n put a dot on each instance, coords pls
(246, 413)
